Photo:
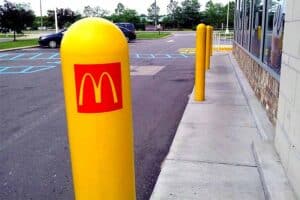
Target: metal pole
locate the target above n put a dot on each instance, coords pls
(41, 13)
(208, 46)
(155, 17)
(227, 31)
(219, 40)
(56, 24)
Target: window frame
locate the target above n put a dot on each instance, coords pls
(262, 43)
(246, 31)
(260, 57)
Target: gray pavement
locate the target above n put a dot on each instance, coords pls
(211, 155)
(34, 151)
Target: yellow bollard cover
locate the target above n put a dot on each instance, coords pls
(199, 93)
(96, 80)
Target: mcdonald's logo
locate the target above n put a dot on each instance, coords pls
(98, 87)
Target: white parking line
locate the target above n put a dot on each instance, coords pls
(145, 70)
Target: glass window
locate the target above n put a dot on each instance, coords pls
(239, 25)
(274, 34)
(240, 22)
(246, 29)
(256, 32)
(236, 18)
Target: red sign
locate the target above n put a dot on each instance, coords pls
(98, 87)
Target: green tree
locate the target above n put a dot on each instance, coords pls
(231, 13)
(215, 14)
(153, 12)
(120, 9)
(190, 13)
(65, 17)
(179, 18)
(128, 15)
(96, 11)
(37, 22)
(15, 17)
(172, 9)
(123, 14)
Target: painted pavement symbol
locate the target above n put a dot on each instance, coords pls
(56, 56)
(145, 70)
(23, 69)
(188, 51)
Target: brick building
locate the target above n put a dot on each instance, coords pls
(267, 47)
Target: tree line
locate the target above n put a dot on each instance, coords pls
(19, 16)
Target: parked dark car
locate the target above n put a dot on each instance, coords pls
(128, 29)
(52, 40)
(127, 25)
(130, 35)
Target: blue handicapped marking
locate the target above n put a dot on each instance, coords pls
(143, 55)
(55, 57)
(159, 56)
(52, 60)
(23, 69)
(17, 56)
(28, 56)
(35, 56)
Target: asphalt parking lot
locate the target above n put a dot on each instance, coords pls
(36, 60)
(34, 152)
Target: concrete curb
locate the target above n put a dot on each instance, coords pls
(264, 126)
(274, 180)
(18, 48)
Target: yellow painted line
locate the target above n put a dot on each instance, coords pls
(222, 47)
(190, 51)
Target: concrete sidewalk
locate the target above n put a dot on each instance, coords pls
(212, 153)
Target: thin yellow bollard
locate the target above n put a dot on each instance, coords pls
(208, 47)
(96, 79)
(211, 40)
(200, 63)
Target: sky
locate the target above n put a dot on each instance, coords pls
(140, 6)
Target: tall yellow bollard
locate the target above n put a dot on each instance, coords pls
(208, 47)
(96, 79)
(200, 63)
(211, 40)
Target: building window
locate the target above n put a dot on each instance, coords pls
(240, 22)
(256, 32)
(236, 19)
(274, 34)
(246, 29)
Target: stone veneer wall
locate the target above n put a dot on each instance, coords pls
(287, 138)
(263, 84)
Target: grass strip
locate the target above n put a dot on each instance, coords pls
(18, 43)
(151, 35)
